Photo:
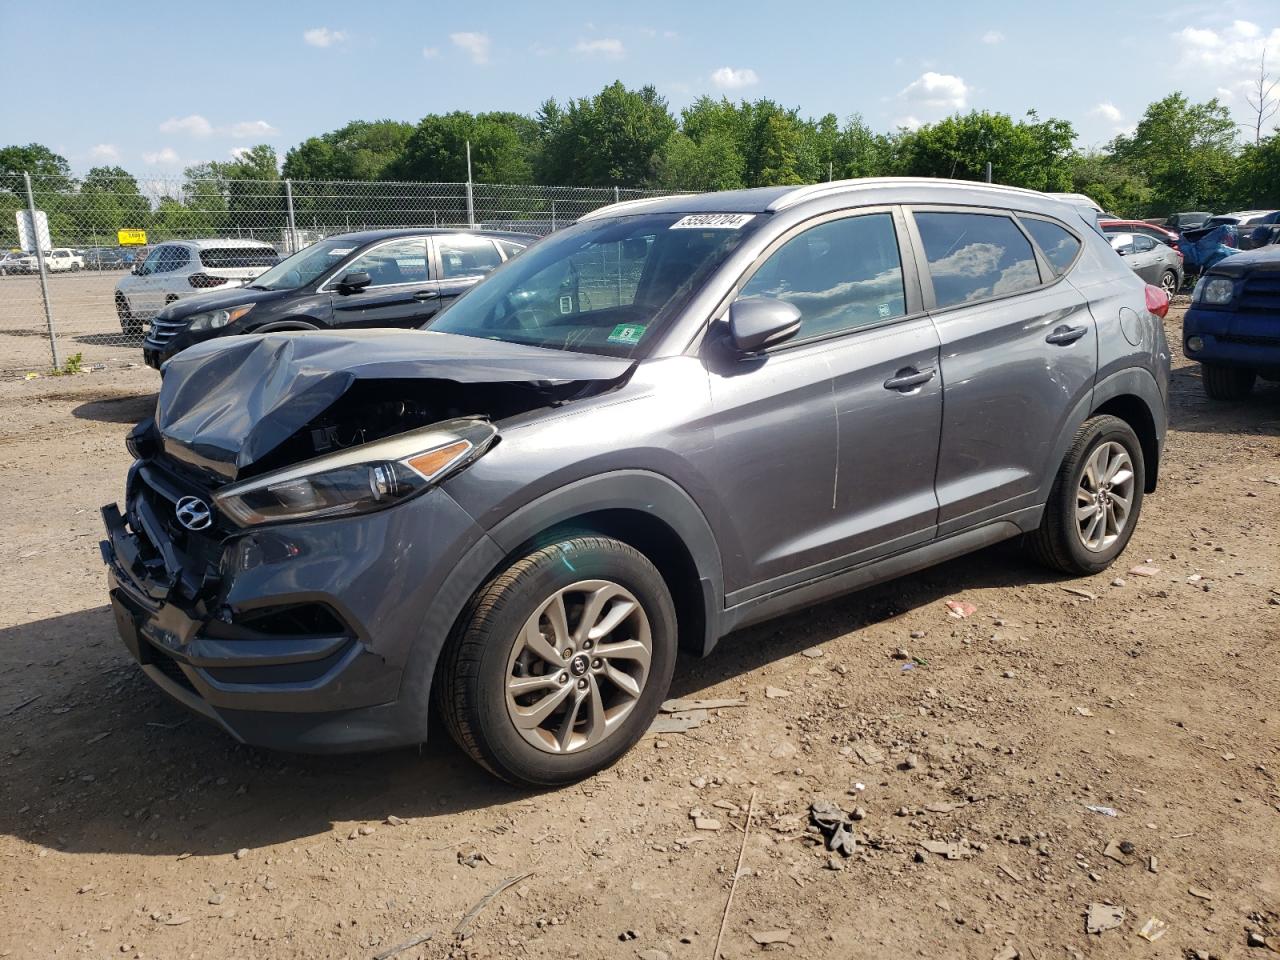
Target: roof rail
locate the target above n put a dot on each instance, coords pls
(615, 208)
(835, 187)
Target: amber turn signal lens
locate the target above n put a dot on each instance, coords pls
(433, 461)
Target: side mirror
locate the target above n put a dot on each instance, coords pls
(354, 282)
(759, 322)
(136, 269)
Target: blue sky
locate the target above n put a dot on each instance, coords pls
(156, 86)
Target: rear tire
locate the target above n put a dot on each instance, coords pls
(1227, 383)
(130, 325)
(506, 657)
(1169, 282)
(1082, 530)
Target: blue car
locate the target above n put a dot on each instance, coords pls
(1233, 325)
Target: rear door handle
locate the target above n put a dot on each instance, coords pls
(909, 378)
(426, 295)
(1061, 336)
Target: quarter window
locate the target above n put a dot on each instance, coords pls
(400, 261)
(1057, 243)
(466, 256)
(841, 275)
(973, 256)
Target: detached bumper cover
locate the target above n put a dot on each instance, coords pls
(293, 637)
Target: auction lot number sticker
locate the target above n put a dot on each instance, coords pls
(713, 221)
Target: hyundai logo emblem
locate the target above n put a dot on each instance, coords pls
(193, 513)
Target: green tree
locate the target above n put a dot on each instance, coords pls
(1186, 152)
(361, 150)
(109, 200)
(1257, 179)
(501, 146)
(616, 137)
(1025, 153)
(38, 160)
(1111, 183)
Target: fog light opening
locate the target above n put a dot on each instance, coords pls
(1194, 344)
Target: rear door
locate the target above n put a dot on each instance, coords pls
(1147, 259)
(1019, 352)
(828, 443)
(402, 292)
(464, 261)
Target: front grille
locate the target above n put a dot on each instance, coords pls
(199, 551)
(169, 667)
(1249, 341)
(162, 331)
(1261, 294)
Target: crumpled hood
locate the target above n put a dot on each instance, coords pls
(226, 403)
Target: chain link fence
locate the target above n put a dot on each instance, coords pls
(79, 295)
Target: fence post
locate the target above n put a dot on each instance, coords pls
(44, 281)
(293, 227)
(471, 201)
(616, 196)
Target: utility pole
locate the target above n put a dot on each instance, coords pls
(471, 200)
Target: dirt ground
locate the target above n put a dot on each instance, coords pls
(129, 829)
(84, 319)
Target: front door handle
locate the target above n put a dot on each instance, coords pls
(1061, 336)
(426, 295)
(909, 378)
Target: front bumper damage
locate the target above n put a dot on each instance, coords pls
(286, 637)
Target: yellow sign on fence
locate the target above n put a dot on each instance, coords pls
(131, 237)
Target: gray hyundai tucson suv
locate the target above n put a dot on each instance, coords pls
(675, 418)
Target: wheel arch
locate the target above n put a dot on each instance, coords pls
(288, 323)
(1133, 396)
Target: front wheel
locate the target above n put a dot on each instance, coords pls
(1227, 383)
(560, 663)
(1095, 501)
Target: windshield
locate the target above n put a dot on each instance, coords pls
(306, 265)
(604, 287)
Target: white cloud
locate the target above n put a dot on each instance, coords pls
(193, 124)
(251, 128)
(939, 90)
(430, 53)
(910, 122)
(730, 78)
(104, 151)
(237, 153)
(166, 156)
(322, 37)
(1230, 50)
(1107, 111)
(993, 37)
(475, 44)
(609, 47)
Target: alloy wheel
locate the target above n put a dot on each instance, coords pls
(578, 666)
(1104, 496)
(1169, 281)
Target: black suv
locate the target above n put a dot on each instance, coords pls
(376, 278)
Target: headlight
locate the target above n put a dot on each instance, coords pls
(216, 319)
(361, 479)
(1217, 290)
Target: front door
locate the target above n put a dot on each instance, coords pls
(828, 443)
(1019, 353)
(401, 292)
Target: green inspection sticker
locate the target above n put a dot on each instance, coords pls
(627, 333)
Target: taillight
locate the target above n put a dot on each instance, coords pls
(202, 280)
(1157, 301)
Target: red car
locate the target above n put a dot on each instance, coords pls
(1140, 226)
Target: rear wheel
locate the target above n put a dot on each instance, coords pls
(1095, 501)
(1169, 282)
(130, 325)
(1227, 383)
(560, 663)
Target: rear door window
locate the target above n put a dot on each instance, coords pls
(400, 261)
(975, 256)
(841, 275)
(466, 256)
(1058, 244)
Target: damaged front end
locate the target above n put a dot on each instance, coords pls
(285, 525)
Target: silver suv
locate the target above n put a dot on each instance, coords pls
(678, 417)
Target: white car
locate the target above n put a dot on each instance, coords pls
(57, 260)
(183, 268)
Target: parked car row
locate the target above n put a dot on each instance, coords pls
(197, 290)
(57, 260)
(676, 418)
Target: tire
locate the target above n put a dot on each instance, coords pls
(1169, 282)
(1071, 542)
(1227, 383)
(130, 325)
(488, 649)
